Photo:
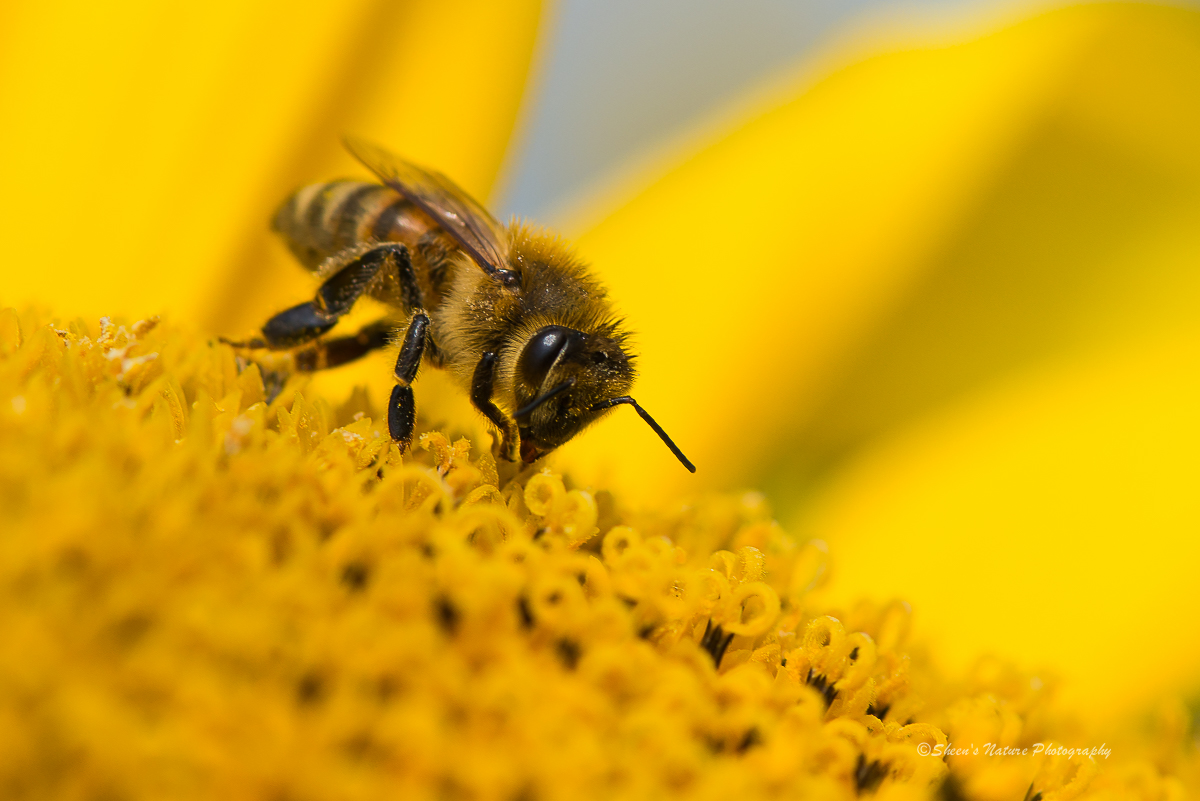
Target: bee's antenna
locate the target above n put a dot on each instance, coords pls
(628, 401)
(528, 408)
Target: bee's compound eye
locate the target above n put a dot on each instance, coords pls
(541, 351)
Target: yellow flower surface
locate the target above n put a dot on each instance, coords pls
(209, 593)
(936, 297)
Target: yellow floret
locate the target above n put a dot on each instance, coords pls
(216, 586)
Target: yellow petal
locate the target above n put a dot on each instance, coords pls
(1053, 519)
(761, 271)
(1084, 237)
(152, 142)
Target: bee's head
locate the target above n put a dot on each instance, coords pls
(565, 379)
(561, 374)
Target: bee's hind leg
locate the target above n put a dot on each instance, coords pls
(346, 283)
(402, 407)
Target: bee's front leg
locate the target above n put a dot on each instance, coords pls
(482, 383)
(402, 407)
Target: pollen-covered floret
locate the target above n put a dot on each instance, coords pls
(210, 593)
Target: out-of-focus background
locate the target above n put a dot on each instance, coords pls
(621, 79)
(926, 275)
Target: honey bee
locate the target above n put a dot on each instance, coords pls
(508, 310)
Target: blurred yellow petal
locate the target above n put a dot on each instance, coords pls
(908, 229)
(1054, 517)
(1084, 238)
(151, 142)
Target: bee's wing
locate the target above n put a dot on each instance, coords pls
(477, 231)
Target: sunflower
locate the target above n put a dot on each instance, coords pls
(936, 305)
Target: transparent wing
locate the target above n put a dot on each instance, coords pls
(477, 231)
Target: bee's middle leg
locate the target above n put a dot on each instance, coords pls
(402, 407)
(305, 322)
(327, 353)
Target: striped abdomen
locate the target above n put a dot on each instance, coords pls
(321, 220)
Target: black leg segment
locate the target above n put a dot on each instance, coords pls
(410, 290)
(341, 289)
(412, 349)
(308, 321)
(482, 383)
(296, 326)
(336, 352)
(402, 407)
(358, 272)
(402, 415)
